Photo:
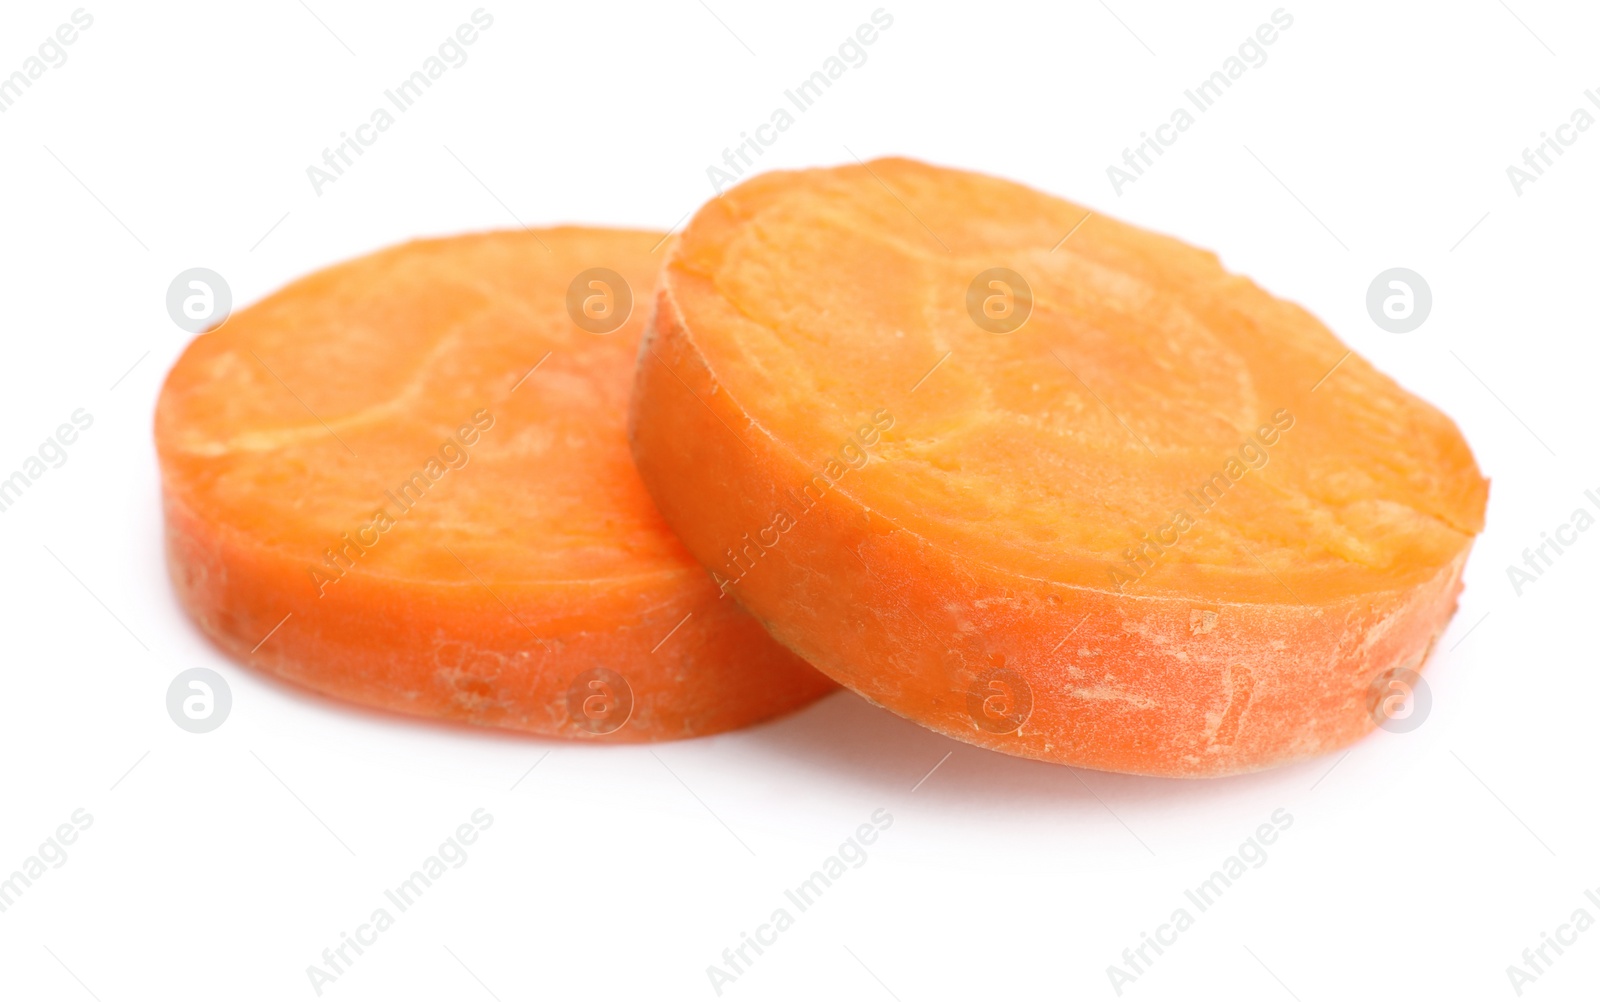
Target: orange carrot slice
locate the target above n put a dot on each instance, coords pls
(1044, 481)
(404, 481)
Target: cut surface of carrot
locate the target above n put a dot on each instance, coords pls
(404, 481)
(1041, 480)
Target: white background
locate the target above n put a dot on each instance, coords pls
(221, 865)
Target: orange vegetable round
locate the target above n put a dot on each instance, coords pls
(404, 481)
(1041, 480)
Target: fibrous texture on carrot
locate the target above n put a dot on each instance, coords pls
(404, 481)
(1041, 480)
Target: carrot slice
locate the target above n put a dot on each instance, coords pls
(404, 481)
(1079, 498)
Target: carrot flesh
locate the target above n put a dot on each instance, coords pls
(404, 482)
(1142, 530)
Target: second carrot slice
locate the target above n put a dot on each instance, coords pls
(1043, 481)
